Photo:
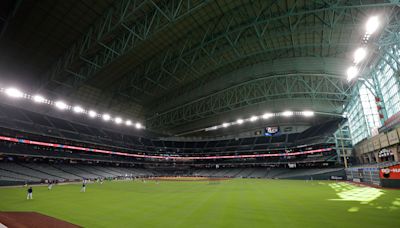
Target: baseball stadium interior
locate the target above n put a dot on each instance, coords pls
(204, 101)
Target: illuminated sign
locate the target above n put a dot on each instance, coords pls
(271, 131)
(26, 141)
(391, 172)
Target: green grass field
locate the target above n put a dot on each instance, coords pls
(230, 203)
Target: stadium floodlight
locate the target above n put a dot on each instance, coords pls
(128, 123)
(78, 109)
(308, 113)
(267, 115)
(287, 113)
(352, 72)
(239, 121)
(359, 55)
(138, 125)
(118, 120)
(253, 118)
(38, 99)
(92, 113)
(106, 117)
(372, 25)
(13, 92)
(225, 125)
(61, 105)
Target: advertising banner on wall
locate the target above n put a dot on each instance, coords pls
(391, 173)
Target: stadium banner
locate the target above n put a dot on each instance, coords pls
(391, 172)
(31, 142)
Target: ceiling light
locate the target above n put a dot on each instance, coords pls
(308, 113)
(372, 25)
(287, 113)
(13, 92)
(128, 123)
(359, 55)
(211, 128)
(106, 117)
(138, 125)
(352, 72)
(61, 105)
(239, 121)
(253, 118)
(78, 109)
(92, 113)
(225, 125)
(38, 99)
(267, 115)
(118, 120)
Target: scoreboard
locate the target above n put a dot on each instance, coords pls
(271, 131)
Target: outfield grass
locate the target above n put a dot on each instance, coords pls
(231, 203)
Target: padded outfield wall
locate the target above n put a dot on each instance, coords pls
(381, 175)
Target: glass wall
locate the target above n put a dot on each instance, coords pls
(362, 114)
(362, 111)
(386, 75)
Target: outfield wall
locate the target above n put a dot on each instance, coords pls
(384, 175)
(334, 175)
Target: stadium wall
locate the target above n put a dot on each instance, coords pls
(334, 175)
(380, 148)
(383, 175)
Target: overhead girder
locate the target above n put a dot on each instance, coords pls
(129, 86)
(122, 28)
(229, 42)
(238, 63)
(223, 79)
(117, 32)
(315, 87)
(165, 80)
(391, 32)
(191, 58)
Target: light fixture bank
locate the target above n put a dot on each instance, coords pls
(360, 53)
(284, 114)
(15, 93)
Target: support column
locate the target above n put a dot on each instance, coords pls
(378, 159)
(395, 150)
(370, 157)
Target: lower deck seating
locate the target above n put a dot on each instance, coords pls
(39, 172)
(279, 173)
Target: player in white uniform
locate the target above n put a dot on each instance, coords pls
(29, 196)
(83, 189)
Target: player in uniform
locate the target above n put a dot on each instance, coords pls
(29, 196)
(83, 189)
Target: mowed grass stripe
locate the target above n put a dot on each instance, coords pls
(231, 203)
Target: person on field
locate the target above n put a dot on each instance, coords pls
(50, 186)
(83, 189)
(29, 196)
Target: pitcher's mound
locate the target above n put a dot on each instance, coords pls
(31, 220)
